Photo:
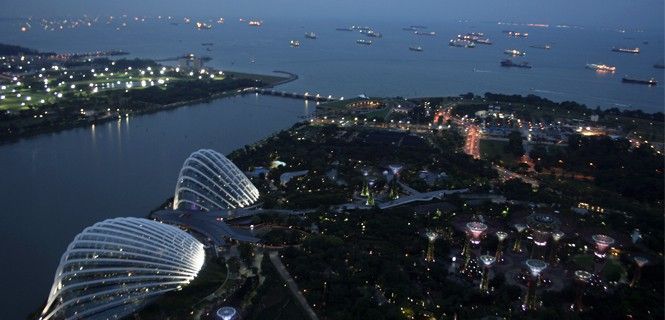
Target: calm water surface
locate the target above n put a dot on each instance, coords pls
(55, 185)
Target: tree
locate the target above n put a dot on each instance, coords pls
(515, 146)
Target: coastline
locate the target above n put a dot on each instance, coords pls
(157, 108)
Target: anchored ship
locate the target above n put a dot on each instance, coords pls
(310, 35)
(418, 48)
(514, 52)
(363, 41)
(649, 82)
(627, 50)
(601, 67)
(510, 63)
(459, 43)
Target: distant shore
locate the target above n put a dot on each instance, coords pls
(268, 81)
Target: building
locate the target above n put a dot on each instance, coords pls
(208, 181)
(114, 267)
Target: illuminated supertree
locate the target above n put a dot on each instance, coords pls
(487, 261)
(536, 267)
(602, 244)
(517, 248)
(474, 232)
(541, 226)
(431, 236)
(640, 262)
(581, 280)
(556, 236)
(501, 236)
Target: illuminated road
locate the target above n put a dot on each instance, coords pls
(505, 174)
(472, 144)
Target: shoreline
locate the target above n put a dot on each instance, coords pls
(157, 108)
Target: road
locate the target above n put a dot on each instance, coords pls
(293, 286)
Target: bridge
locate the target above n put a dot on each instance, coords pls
(304, 96)
(209, 224)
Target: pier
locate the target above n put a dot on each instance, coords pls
(304, 96)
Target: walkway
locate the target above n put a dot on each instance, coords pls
(208, 224)
(293, 287)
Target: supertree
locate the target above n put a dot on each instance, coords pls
(487, 261)
(517, 248)
(501, 236)
(365, 191)
(556, 237)
(431, 237)
(602, 244)
(474, 232)
(640, 262)
(581, 280)
(536, 267)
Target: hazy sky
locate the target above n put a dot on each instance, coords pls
(610, 13)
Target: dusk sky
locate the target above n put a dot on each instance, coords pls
(610, 13)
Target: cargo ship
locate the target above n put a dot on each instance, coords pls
(650, 82)
(310, 35)
(510, 63)
(344, 29)
(417, 49)
(475, 37)
(659, 66)
(601, 67)
(372, 34)
(627, 50)
(255, 23)
(363, 41)
(423, 33)
(295, 43)
(545, 46)
(516, 34)
(459, 43)
(514, 52)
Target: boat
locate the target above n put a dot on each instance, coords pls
(203, 26)
(295, 43)
(544, 47)
(255, 23)
(475, 37)
(423, 33)
(659, 66)
(627, 50)
(516, 34)
(510, 63)
(417, 49)
(310, 35)
(207, 44)
(514, 52)
(601, 67)
(460, 43)
(344, 29)
(372, 34)
(363, 41)
(650, 82)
